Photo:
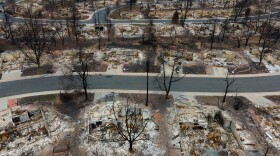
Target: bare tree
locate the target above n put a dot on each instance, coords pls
(229, 81)
(247, 14)
(212, 35)
(132, 126)
(51, 7)
(146, 12)
(269, 37)
(67, 80)
(239, 8)
(109, 29)
(268, 149)
(82, 69)
(226, 3)
(151, 53)
(60, 31)
(257, 22)
(165, 79)
(151, 37)
(76, 73)
(98, 31)
(173, 35)
(36, 37)
(107, 13)
(92, 3)
(67, 23)
(7, 29)
(224, 28)
(131, 3)
(249, 31)
(202, 4)
(122, 30)
(109, 24)
(266, 4)
(188, 6)
(75, 22)
(62, 3)
(12, 5)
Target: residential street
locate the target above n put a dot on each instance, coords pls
(188, 84)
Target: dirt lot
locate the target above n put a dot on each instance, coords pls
(6, 45)
(194, 69)
(45, 69)
(141, 68)
(101, 68)
(275, 99)
(158, 103)
(233, 103)
(31, 99)
(68, 104)
(252, 68)
(71, 104)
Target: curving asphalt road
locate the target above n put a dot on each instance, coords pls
(187, 84)
(100, 16)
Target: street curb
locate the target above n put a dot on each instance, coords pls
(143, 92)
(150, 74)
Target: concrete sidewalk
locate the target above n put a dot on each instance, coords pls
(11, 75)
(141, 74)
(257, 98)
(260, 100)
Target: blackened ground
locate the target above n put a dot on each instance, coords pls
(44, 69)
(275, 99)
(194, 69)
(137, 68)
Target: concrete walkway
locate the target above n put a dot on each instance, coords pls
(260, 100)
(14, 78)
(11, 75)
(256, 98)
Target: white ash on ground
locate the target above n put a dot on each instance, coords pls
(269, 120)
(44, 129)
(103, 138)
(128, 31)
(195, 130)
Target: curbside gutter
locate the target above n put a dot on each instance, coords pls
(150, 74)
(143, 92)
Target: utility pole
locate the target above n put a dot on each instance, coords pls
(147, 94)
